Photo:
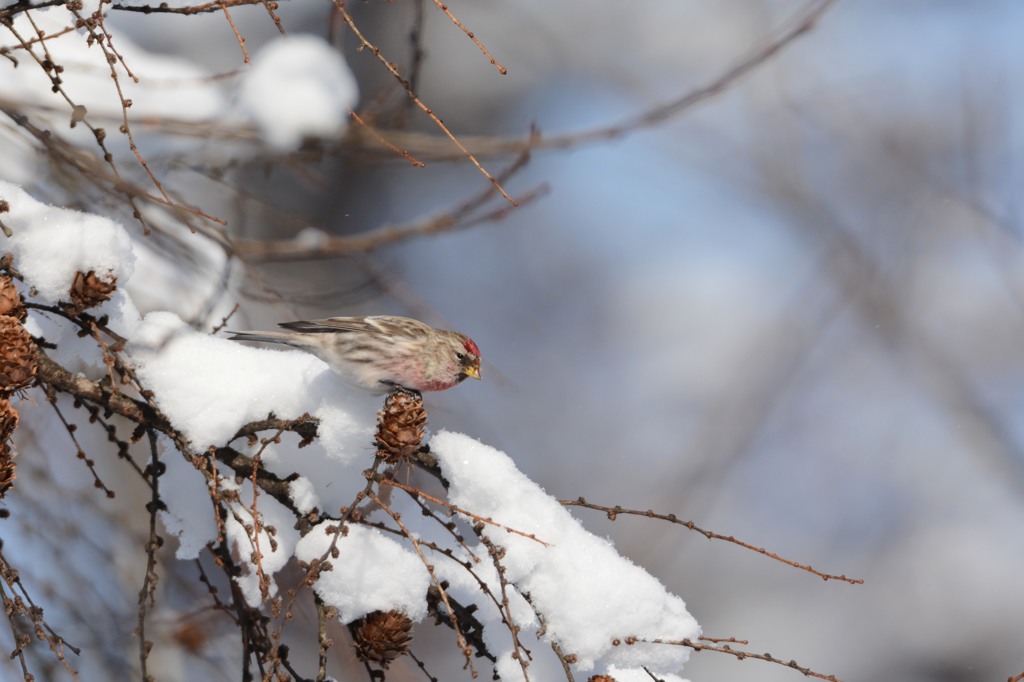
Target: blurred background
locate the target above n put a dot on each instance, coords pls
(791, 312)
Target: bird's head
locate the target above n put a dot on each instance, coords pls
(469, 359)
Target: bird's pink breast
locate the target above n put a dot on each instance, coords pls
(437, 385)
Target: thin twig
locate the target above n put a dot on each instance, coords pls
(459, 638)
(340, 4)
(459, 510)
(741, 655)
(469, 34)
(234, 29)
(147, 594)
(373, 131)
(613, 513)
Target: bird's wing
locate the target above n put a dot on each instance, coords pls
(380, 324)
(329, 325)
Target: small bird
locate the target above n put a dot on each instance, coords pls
(382, 352)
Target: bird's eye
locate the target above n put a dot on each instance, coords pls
(461, 357)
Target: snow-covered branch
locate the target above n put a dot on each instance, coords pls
(260, 506)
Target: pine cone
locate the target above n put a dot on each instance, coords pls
(88, 290)
(17, 356)
(601, 678)
(401, 426)
(10, 300)
(8, 422)
(382, 636)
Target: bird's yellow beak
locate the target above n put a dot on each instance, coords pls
(472, 371)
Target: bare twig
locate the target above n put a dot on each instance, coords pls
(462, 216)
(373, 131)
(459, 637)
(469, 34)
(340, 4)
(613, 513)
(741, 655)
(459, 510)
(147, 594)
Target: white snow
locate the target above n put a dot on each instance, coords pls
(189, 515)
(303, 495)
(50, 244)
(594, 602)
(589, 595)
(169, 88)
(185, 285)
(371, 573)
(298, 87)
(209, 386)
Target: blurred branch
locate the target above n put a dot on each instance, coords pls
(88, 166)
(433, 147)
(21, 607)
(460, 217)
(877, 300)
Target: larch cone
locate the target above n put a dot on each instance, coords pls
(382, 636)
(401, 426)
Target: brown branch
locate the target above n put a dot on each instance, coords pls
(613, 513)
(347, 515)
(323, 642)
(471, 627)
(147, 594)
(90, 463)
(563, 658)
(24, 606)
(340, 5)
(305, 425)
(8, 13)
(459, 510)
(234, 29)
(469, 34)
(459, 637)
(202, 8)
(268, 482)
(741, 655)
(520, 652)
(52, 374)
(373, 131)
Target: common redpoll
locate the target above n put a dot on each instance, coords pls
(381, 353)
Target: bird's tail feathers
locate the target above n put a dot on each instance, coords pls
(262, 337)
